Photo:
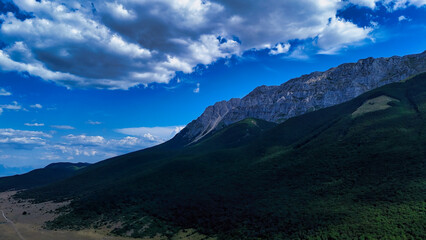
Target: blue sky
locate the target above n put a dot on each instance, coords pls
(83, 81)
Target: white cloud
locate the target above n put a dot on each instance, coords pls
(374, 24)
(84, 145)
(403, 18)
(102, 144)
(94, 122)
(127, 142)
(28, 64)
(197, 89)
(44, 148)
(119, 11)
(63, 127)
(14, 106)
(51, 157)
(39, 106)
(154, 134)
(85, 140)
(280, 48)
(393, 5)
(34, 124)
(298, 53)
(4, 92)
(71, 151)
(8, 132)
(22, 139)
(389, 4)
(365, 3)
(340, 33)
(418, 3)
(149, 136)
(121, 44)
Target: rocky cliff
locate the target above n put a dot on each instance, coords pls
(306, 93)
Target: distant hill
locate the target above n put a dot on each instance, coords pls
(306, 93)
(39, 177)
(8, 171)
(352, 171)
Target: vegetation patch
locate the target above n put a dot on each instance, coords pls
(373, 105)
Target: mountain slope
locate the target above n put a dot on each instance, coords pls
(306, 93)
(39, 177)
(354, 170)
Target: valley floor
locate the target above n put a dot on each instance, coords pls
(24, 221)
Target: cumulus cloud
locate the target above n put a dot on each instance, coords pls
(120, 44)
(280, 48)
(339, 33)
(4, 92)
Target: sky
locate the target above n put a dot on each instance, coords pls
(83, 81)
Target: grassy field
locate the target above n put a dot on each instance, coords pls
(373, 105)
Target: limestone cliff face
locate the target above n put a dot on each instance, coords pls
(306, 93)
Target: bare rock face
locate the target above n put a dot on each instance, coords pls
(306, 93)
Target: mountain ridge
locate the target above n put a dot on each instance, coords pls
(306, 93)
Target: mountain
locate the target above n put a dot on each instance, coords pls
(306, 93)
(351, 171)
(39, 177)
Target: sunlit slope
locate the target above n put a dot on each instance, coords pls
(349, 171)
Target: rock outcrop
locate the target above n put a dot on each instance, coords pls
(306, 93)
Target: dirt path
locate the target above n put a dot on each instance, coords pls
(13, 225)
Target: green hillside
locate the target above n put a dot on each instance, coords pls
(39, 177)
(352, 171)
